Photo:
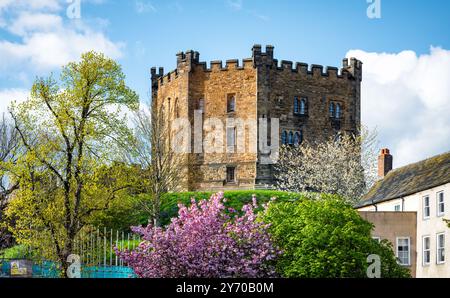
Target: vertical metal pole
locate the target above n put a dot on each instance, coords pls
(104, 246)
(110, 248)
(117, 242)
(98, 255)
(92, 248)
(82, 248)
(123, 245)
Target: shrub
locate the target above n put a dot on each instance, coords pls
(326, 238)
(205, 240)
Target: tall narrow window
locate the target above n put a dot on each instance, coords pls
(426, 248)
(176, 109)
(331, 109)
(338, 111)
(291, 138)
(440, 204)
(403, 251)
(231, 103)
(426, 207)
(201, 105)
(297, 138)
(296, 105)
(231, 174)
(284, 138)
(303, 106)
(169, 108)
(440, 248)
(397, 208)
(231, 137)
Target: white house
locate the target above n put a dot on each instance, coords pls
(424, 188)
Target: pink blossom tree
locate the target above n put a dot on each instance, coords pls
(205, 240)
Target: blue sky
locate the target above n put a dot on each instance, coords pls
(318, 32)
(37, 36)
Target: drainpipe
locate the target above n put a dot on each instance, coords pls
(375, 205)
(403, 204)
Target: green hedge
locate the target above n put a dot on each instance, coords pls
(235, 199)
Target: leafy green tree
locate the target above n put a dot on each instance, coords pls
(72, 130)
(9, 150)
(326, 238)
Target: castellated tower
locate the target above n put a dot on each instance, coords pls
(309, 102)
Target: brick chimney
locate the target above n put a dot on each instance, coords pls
(384, 163)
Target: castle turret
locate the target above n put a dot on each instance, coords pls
(260, 57)
(354, 68)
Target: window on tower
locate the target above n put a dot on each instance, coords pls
(303, 106)
(231, 103)
(284, 138)
(331, 110)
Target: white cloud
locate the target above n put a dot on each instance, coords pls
(9, 95)
(43, 39)
(407, 97)
(30, 4)
(46, 38)
(50, 50)
(28, 23)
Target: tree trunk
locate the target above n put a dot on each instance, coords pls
(63, 258)
(156, 211)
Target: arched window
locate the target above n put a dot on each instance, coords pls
(303, 106)
(291, 138)
(331, 109)
(296, 106)
(338, 110)
(298, 138)
(284, 138)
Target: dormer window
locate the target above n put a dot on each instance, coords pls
(231, 103)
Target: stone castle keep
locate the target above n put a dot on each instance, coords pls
(311, 103)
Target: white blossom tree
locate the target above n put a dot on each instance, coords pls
(343, 165)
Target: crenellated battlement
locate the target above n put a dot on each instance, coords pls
(190, 61)
(350, 67)
(314, 70)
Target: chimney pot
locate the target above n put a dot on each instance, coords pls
(384, 162)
